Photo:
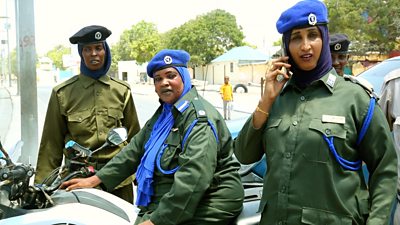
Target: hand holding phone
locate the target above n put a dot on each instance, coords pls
(280, 77)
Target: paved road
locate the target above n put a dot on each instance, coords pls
(144, 96)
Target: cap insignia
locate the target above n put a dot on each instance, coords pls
(97, 35)
(312, 19)
(337, 46)
(167, 59)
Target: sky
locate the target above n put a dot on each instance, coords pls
(57, 20)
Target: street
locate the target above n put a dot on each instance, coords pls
(146, 102)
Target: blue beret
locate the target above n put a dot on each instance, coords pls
(339, 43)
(304, 13)
(167, 58)
(90, 34)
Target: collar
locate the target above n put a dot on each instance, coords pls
(329, 80)
(88, 81)
(183, 103)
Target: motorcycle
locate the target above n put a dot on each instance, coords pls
(21, 203)
(252, 179)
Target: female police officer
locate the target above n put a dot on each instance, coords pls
(310, 127)
(85, 107)
(182, 157)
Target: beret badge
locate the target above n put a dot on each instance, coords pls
(97, 35)
(168, 59)
(312, 19)
(337, 47)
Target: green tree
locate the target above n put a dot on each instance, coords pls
(372, 25)
(140, 43)
(206, 37)
(56, 54)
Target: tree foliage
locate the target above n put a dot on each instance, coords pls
(206, 37)
(56, 54)
(140, 43)
(372, 25)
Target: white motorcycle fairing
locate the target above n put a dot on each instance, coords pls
(79, 207)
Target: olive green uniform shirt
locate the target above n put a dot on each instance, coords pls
(304, 183)
(83, 109)
(206, 187)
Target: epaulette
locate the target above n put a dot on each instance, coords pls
(121, 82)
(368, 87)
(392, 75)
(66, 83)
(200, 111)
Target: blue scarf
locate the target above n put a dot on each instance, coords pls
(324, 64)
(96, 74)
(160, 132)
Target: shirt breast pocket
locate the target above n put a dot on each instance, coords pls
(114, 118)
(80, 123)
(318, 150)
(273, 133)
(168, 156)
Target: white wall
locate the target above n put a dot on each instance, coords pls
(132, 69)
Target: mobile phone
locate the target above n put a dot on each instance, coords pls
(283, 49)
(283, 69)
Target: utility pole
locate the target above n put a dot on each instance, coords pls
(8, 46)
(26, 54)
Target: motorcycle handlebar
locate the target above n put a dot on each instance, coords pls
(19, 172)
(75, 150)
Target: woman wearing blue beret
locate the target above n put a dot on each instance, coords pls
(316, 130)
(182, 156)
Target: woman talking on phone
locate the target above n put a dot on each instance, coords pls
(316, 129)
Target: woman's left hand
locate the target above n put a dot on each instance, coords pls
(75, 183)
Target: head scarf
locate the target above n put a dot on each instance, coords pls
(324, 64)
(96, 74)
(159, 134)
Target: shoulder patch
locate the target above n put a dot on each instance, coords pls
(121, 82)
(363, 83)
(66, 83)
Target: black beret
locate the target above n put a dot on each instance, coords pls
(339, 43)
(90, 34)
(303, 13)
(167, 58)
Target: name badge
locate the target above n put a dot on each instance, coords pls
(333, 119)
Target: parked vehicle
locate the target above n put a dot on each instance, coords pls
(376, 73)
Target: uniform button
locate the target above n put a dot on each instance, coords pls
(280, 223)
(302, 98)
(294, 123)
(283, 190)
(80, 119)
(98, 93)
(328, 131)
(288, 155)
